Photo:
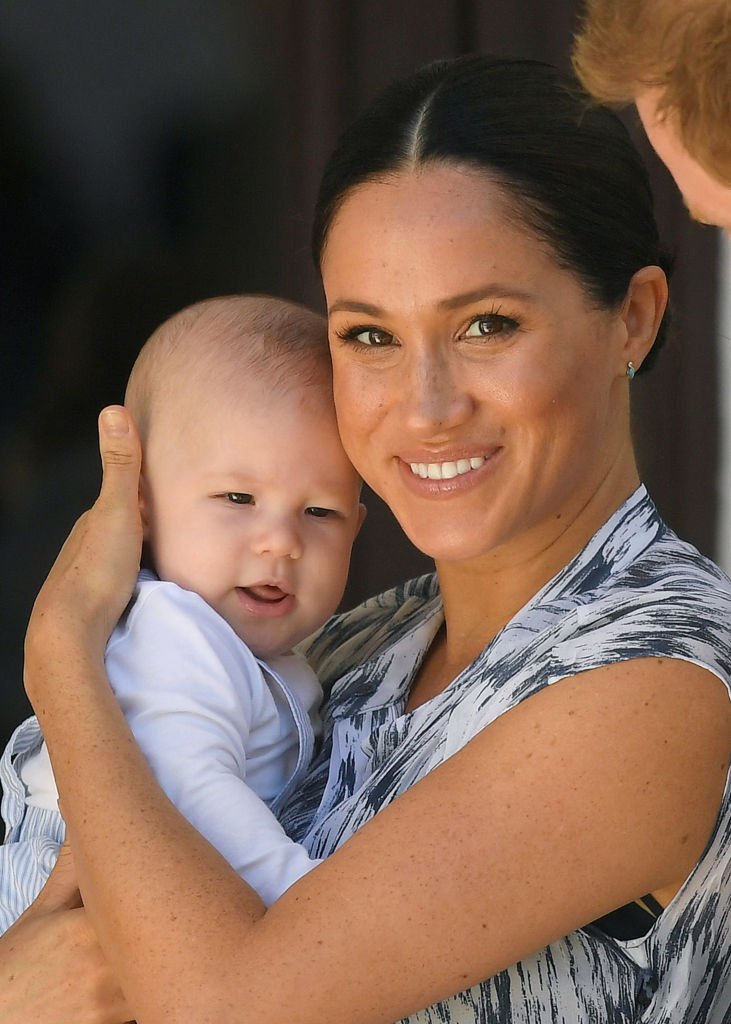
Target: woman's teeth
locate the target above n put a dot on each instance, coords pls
(445, 470)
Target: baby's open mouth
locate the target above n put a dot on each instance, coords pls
(266, 593)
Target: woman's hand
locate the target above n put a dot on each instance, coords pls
(94, 574)
(52, 970)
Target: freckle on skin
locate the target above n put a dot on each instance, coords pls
(684, 839)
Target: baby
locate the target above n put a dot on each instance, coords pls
(250, 508)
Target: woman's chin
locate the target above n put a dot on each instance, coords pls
(453, 544)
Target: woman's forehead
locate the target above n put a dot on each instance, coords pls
(448, 228)
(416, 211)
(425, 192)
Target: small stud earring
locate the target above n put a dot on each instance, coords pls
(631, 370)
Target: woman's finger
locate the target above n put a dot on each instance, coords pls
(61, 891)
(121, 457)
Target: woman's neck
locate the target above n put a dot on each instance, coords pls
(480, 596)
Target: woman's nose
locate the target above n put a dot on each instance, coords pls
(278, 538)
(433, 396)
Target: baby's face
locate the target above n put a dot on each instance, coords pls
(252, 503)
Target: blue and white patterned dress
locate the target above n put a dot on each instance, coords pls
(634, 591)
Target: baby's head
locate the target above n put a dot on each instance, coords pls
(247, 496)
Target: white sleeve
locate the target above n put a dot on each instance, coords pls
(190, 690)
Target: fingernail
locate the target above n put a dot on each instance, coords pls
(114, 421)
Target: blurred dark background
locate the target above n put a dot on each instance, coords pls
(156, 154)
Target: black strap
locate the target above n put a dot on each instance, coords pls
(631, 921)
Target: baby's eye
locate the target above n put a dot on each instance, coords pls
(491, 325)
(239, 497)
(373, 337)
(319, 513)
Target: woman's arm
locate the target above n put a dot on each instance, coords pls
(518, 839)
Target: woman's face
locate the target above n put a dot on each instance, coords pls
(479, 390)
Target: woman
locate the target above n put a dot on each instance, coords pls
(545, 731)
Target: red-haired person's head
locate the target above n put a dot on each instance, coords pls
(673, 59)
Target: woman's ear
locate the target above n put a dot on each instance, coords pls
(642, 312)
(362, 512)
(144, 507)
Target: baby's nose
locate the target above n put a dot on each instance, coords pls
(280, 539)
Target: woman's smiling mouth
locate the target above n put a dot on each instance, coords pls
(448, 476)
(446, 470)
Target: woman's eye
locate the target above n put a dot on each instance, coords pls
(373, 337)
(239, 498)
(491, 325)
(319, 513)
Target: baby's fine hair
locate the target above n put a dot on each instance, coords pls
(214, 341)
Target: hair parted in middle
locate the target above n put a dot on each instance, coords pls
(567, 169)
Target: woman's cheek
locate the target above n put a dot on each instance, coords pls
(359, 405)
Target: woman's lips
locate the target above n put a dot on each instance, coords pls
(447, 476)
(448, 469)
(265, 600)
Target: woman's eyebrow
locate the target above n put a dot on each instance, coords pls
(352, 306)
(488, 291)
(495, 290)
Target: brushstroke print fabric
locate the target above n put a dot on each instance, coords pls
(634, 591)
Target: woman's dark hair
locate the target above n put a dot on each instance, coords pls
(567, 167)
